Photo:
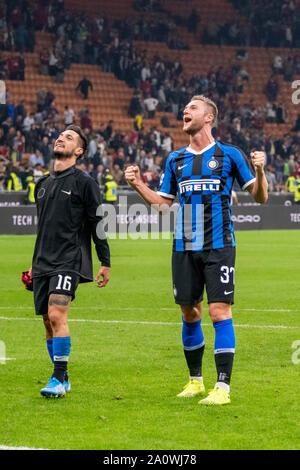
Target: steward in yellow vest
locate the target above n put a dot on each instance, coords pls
(291, 184)
(110, 189)
(30, 190)
(14, 183)
(297, 192)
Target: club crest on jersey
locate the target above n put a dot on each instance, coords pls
(41, 193)
(199, 185)
(212, 164)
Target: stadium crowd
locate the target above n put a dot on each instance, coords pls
(157, 83)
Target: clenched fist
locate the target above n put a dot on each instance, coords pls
(132, 175)
(258, 159)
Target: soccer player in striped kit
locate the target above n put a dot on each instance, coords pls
(202, 174)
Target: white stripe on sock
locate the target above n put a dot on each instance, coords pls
(61, 358)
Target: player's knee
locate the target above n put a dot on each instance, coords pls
(58, 310)
(220, 311)
(48, 327)
(191, 313)
(55, 320)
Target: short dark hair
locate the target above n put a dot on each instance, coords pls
(79, 131)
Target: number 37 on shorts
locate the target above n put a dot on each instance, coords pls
(227, 274)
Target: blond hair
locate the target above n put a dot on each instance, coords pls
(210, 103)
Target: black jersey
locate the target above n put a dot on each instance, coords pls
(69, 213)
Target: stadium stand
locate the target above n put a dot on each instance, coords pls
(208, 47)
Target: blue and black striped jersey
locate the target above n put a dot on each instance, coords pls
(203, 181)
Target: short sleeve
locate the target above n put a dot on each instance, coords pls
(168, 184)
(242, 170)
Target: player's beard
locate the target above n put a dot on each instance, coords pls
(194, 127)
(62, 154)
(192, 130)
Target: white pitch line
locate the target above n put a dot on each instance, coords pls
(133, 322)
(268, 310)
(18, 448)
(73, 308)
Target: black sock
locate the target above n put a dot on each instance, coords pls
(194, 361)
(224, 362)
(60, 369)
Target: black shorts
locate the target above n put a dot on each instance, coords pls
(214, 269)
(64, 283)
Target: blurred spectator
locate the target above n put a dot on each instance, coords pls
(92, 146)
(272, 88)
(19, 145)
(297, 170)
(41, 99)
(46, 150)
(288, 69)
(69, 116)
(292, 164)
(167, 143)
(60, 72)
(20, 110)
(120, 158)
(100, 172)
(83, 86)
(279, 167)
(85, 119)
(135, 106)
(53, 60)
(117, 173)
(280, 114)
(14, 182)
(150, 106)
(278, 65)
(271, 178)
(2, 181)
(15, 66)
(44, 61)
(148, 175)
(38, 171)
(36, 158)
(296, 128)
(271, 112)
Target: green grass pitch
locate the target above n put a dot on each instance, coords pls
(127, 364)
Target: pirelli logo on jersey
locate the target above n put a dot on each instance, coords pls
(199, 185)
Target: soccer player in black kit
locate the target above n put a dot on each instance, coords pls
(69, 215)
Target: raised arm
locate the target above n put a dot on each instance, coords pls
(259, 189)
(133, 178)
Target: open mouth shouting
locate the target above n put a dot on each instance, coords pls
(187, 119)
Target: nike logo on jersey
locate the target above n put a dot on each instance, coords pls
(182, 166)
(66, 192)
(227, 293)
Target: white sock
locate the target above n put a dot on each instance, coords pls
(196, 378)
(223, 385)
